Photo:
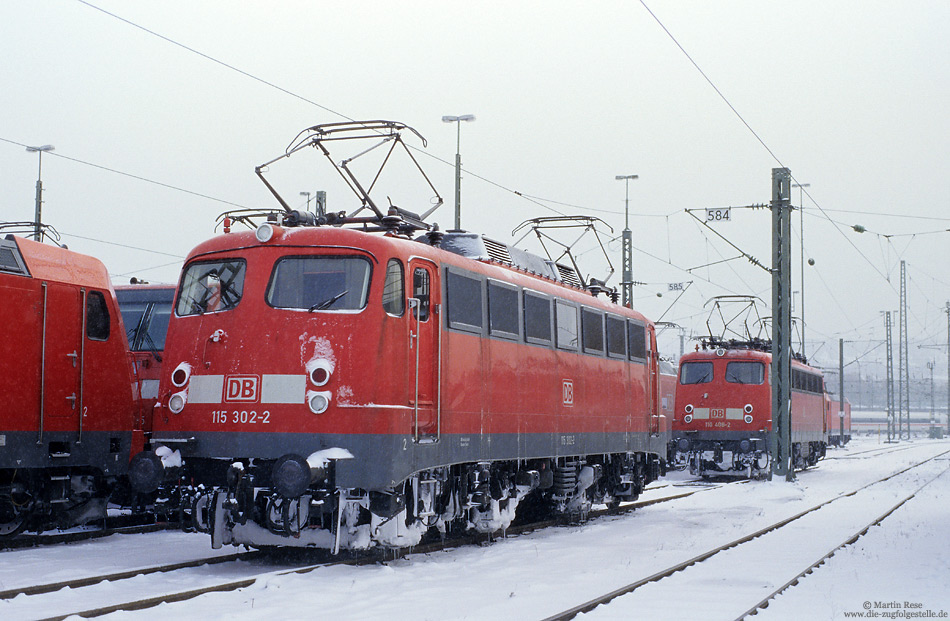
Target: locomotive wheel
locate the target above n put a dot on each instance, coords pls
(16, 509)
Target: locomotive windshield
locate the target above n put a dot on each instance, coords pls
(745, 372)
(696, 372)
(320, 283)
(211, 286)
(147, 335)
(145, 313)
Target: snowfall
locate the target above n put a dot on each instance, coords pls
(897, 568)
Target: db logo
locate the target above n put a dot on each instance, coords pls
(717, 413)
(568, 392)
(241, 388)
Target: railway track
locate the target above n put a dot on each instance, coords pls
(130, 590)
(32, 540)
(699, 582)
(764, 602)
(874, 452)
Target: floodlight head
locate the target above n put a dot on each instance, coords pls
(453, 119)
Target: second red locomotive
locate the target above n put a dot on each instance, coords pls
(722, 423)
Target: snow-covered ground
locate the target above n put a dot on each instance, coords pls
(906, 560)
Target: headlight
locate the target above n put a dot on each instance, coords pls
(264, 233)
(688, 409)
(318, 401)
(688, 418)
(748, 419)
(177, 402)
(319, 371)
(181, 374)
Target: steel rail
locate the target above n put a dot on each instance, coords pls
(49, 538)
(372, 557)
(666, 573)
(850, 540)
(124, 575)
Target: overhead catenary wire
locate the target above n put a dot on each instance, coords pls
(130, 175)
(761, 141)
(537, 200)
(541, 202)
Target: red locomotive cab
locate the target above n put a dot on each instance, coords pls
(299, 322)
(722, 416)
(66, 384)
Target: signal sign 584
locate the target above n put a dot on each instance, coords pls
(719, 214)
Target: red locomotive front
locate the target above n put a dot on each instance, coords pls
(723, 421)
(723, 406)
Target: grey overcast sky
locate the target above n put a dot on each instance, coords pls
(852, 96)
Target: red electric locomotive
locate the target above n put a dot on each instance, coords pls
(145, 309)
(345, 387)
(66, 427)
(723, 419)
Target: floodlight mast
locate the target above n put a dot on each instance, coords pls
(458, 162)
(38, 216)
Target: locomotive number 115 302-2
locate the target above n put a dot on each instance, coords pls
(220, 417)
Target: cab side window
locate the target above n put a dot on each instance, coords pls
(394, 289)
(97, 317)
(420, 291)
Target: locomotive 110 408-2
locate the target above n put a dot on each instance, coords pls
(346, 382)
(722, 424)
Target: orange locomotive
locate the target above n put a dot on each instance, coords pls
(722, 423)
(345, 387)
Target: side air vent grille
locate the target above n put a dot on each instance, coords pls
(497, 251)
(568, 275)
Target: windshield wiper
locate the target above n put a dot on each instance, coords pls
(328, 302)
